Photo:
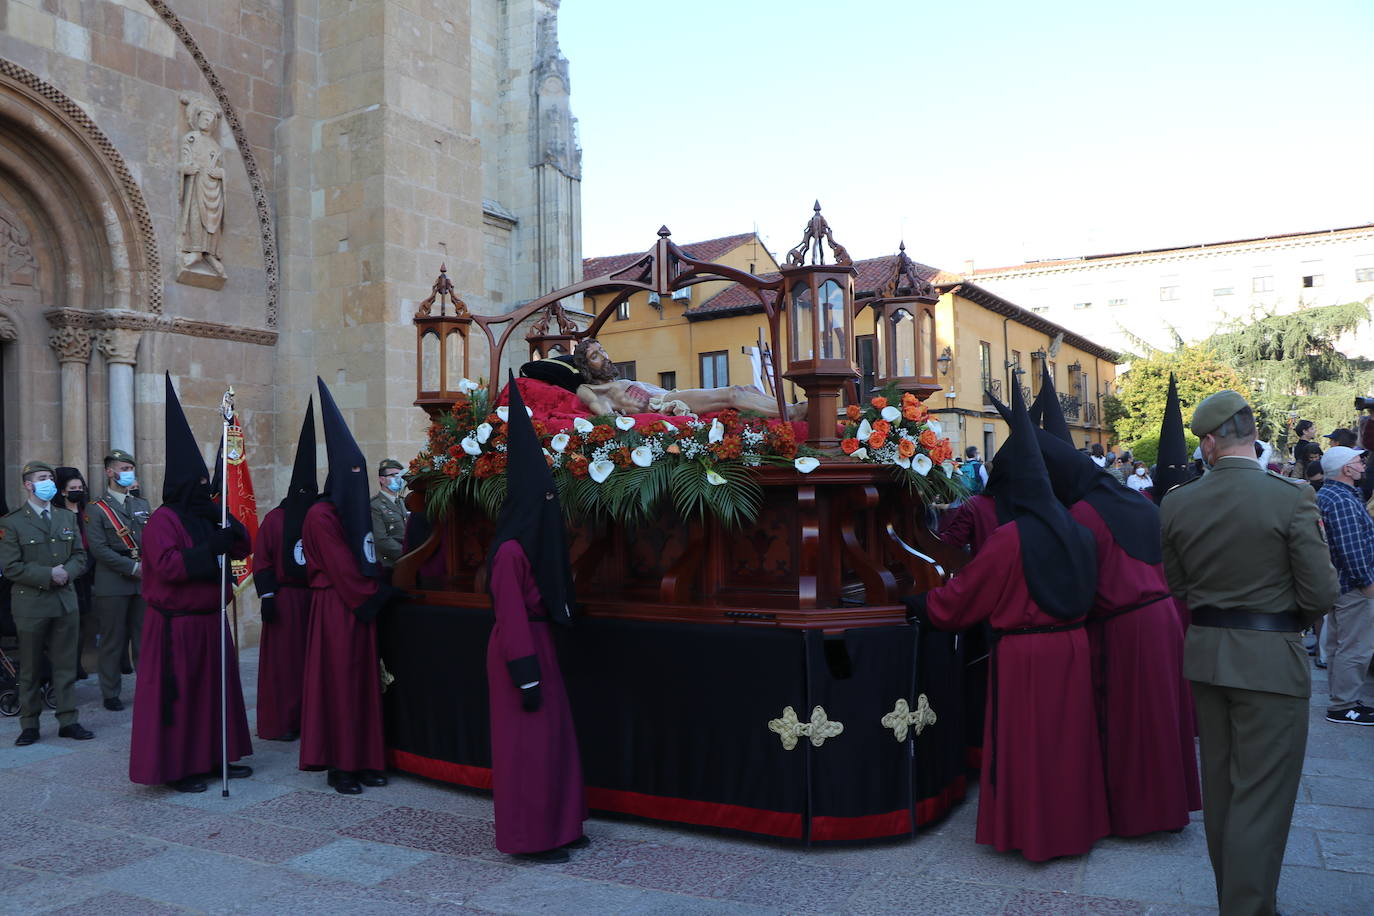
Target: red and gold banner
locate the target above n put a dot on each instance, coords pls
(243, 503)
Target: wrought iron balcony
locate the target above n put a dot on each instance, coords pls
(993, 385)
(1070, 405)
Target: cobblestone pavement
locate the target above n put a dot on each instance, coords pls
(78, 837)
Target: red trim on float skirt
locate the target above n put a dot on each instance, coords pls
(442, 770)
(891, 824)
(686, 811)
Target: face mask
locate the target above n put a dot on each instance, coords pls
(125, 479)
(45, 490)
(78, 497)
(1140, 472)
(394, 484)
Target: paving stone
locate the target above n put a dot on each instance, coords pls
(45, 892)
(197, 879)
(358, 860)
(1339, 791)
(909, 893)
(1320, 890)
(1349, 852)
(1332, 817)
(985, 865)
(1130, 874)
(1302, 848)
(1054, 903)
(242, 793)
(251, 840)
(12, 757)
(434, 831)
(534, 890)
(114, 903)
(678, 869)
(1348, 769)
(321, 810)
(79, 855)
(798, 887)
(450, 879)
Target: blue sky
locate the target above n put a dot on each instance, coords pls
(997, 132)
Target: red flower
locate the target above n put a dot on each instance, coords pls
(621, 457)
(877, 439)
(879, 402)
(600, 435)
(455, 451)
(883, 427)
(577, 465)
(850, 446)
(854, 412)
(729, 447)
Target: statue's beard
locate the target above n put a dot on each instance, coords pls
(607, 373)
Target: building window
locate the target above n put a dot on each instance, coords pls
(989, 441)
(1082, 305)
(1041, 309)
(1111, 303)
(1168, 293)
(1364, 274)
(667, 381)
(1262, 285)
(1015, 367)
(627, 370)
(1037, 370)
(1224, 291)
(1311, 280)
(622, 311)
(866, 349)
(715, 370)
(985, 364)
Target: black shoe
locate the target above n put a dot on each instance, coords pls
(26, 737)
(1359, 714)
(289, 736)
(236, 771)
(548, 856)
(75, 730)
(344, 782)
(373, 779)
(1319, 663)
(188, 784)
(114, 704)
(580, 843)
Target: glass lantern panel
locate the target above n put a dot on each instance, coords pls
(903, 337)
(453, 357)
(927, 343)
(801, 322)
(429, 361)
(834, 339)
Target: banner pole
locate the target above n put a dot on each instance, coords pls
(227, 408)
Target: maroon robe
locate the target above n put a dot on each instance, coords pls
(341, 702)
(281, 653)
(1042, 789)
(536, 770)
(181, 638)
(971, 524)
(1137, 646)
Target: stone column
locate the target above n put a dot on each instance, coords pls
(73, 347)
(119, 346)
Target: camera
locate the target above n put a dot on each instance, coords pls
(1364, 403)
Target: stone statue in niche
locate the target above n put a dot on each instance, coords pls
(17, 264)
(200, 218)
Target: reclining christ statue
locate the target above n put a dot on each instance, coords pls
(604, 392)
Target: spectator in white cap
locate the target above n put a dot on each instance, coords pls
(1349, 630)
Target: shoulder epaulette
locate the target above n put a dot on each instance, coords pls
(1293, 481)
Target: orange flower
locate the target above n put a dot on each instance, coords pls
(912, 414)
(879, 402)
(451, 469)
(883, 427)
(674, 449)
(906, 448)
(577, 465)
(621, 457)
(849, 446)
(877, 440)
(909, 400)
(853, 412)
(928, 439)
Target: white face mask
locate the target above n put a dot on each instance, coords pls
(1140, 472)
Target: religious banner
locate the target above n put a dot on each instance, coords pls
(243, 503)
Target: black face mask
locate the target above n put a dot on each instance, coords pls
(77, 499)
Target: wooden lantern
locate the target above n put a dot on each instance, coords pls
(441, 342)
(904, 317)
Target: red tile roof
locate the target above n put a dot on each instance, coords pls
(709, 250)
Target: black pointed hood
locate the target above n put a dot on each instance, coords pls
(186, 480)
(346, 484)
(1047, 411)
(1172, 464)
(532, 514)
(1058, 555)
(301, 493)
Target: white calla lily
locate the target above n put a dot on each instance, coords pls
(467, 386)
(717, 432)
(865, 430)
(483, 433)
(859, 454)
(471, 447)
(948, 468)
(904, 463)
(560, 442)
(714, 479)
(921, 464)
(806, 464)
(600, 470)
(934, 426)
(891, 414)
(642, 456)
(625, 423)
(503, 412)
(582, 425)
(529, 412)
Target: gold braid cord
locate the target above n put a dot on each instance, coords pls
(789, 728)
(903, 717)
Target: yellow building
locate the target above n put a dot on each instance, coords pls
(710, 335)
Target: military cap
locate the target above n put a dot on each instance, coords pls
(1215, 410)
(118, 454)
(387, 464)
(34, 466)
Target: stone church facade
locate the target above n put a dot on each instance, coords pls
(256, 192)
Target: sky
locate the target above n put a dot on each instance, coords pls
(991, 132)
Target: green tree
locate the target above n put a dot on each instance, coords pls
(1144, 389)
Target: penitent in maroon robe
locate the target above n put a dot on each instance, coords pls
(281, 653)
(341, 704)
(1042, 789)
(181, 640)
(536, 771)
(1137, 644)
(971, 524)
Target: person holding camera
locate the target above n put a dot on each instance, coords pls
(1349, 629)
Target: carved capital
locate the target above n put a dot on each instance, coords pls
(72, 345)
(8, 329)
(120, 345)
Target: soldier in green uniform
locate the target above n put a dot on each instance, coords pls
(41, 553)
(114, 530)
(389, 513)
(1244, 548)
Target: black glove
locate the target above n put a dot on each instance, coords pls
(269, 609)
(531, 698)
(220, 540)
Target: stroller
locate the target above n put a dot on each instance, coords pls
(9, 687)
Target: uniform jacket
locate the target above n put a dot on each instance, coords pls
(113, 565)
(1242, 538)
(388, 528)
(29, 549)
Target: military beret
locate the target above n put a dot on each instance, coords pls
(118, 454)
(34, 466)
(1215, 410)
(388, 463)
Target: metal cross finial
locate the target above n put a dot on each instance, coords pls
(226, 406)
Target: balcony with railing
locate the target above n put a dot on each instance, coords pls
(1070, 405)
(993, 386)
